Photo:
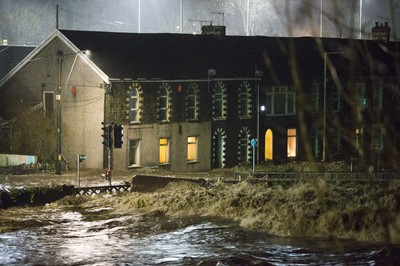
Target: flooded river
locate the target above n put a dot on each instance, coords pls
(98, 237)
(180, 225)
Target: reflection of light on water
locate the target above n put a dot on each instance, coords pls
(82, 240)
(10, 253)
(100, 235)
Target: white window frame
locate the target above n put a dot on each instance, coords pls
(166, 147)
(289, 137)
(137, 153)
(192, 141)
(44, 100)
(192, 102)
(245, 100)
(219, 101)
(134, 111)
(289, 92)
(163, 104)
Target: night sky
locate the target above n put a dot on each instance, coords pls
(31, 21)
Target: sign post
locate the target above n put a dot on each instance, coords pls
(254, 144)
(81, 157)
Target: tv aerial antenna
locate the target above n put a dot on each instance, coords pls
(222, 14)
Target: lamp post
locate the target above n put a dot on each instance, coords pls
(361, 2)
(258, 74)
(324, 123)
(320, 19)
(139, 7)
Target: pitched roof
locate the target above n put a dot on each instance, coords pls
(10, 56)
(184, 56)
(31, 56)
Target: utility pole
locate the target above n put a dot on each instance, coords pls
(60, 55)
(181, 17)
(57, 17)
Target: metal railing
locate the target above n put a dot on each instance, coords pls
(329, 176)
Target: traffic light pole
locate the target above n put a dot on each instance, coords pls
(107, 142)
(108, 175)
(112, 137)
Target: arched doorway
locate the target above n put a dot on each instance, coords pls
(268, 152)
(219, 148)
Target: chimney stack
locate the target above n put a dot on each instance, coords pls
(381, 32)
(213, 30)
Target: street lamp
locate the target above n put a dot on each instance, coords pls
(258, 74)
(324, 123)
(361, 2)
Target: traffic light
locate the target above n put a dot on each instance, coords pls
(107, 141)
(118, 136)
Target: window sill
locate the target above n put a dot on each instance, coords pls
(134, 166)
(162, 164)
(190, 162)
(279, 115)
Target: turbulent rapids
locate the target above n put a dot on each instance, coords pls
(187, 223)
(368, 212)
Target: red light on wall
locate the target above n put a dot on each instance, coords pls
(73, 90)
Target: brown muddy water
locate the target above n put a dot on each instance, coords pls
(188, 224)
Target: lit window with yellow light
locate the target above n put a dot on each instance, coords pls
(192, 149)
(164, 150)
(291, 142)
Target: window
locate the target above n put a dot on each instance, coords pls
(164, 150)
(336, 144)
(377, 138)
(192, 110)
(244, 100)
(134, 105)
(361, 98)
(378, 96)
(336, 99)
(48, 100)
(359, 140)
(291, 142)
(280, 100)
(192, 149)
(315, 96)
(317, 143)
(269, 140)
(164, 103)
(134, 153)
(219, 101)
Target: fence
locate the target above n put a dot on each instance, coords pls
(329, 176)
